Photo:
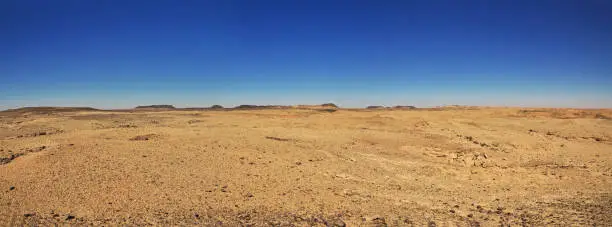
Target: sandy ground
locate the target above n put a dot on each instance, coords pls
(443, 167)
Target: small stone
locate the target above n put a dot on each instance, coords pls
(28, 215)
(69, 217)
(470, 215)
(196, 215)
(379, 221)
(12, 188)
(249, 195)
(298, 163)
(452, 211)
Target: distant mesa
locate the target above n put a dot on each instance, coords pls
(261, 107)
(216, 107)
(49, 109)
(375, 107)
(156, 107)
(329, 105)
(246, 107)
(404, 107)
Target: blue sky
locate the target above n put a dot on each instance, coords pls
(119, 54)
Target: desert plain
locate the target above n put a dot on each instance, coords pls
(457, 166)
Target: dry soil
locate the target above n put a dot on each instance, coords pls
(303, 167)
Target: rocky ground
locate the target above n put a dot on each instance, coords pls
(303, 167)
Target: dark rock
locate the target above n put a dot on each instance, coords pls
(276, 138)
(28, 215)
(70, 217)
(12, 188)
(335, 223)
(142, 137)
(379, 221)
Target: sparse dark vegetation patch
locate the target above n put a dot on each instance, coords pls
(375, 107)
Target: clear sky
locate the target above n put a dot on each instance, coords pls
(118, 54)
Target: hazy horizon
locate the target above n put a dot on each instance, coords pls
(113, 54)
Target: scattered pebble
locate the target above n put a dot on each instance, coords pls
(28, 215)
(12, 188)
(69, 217)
